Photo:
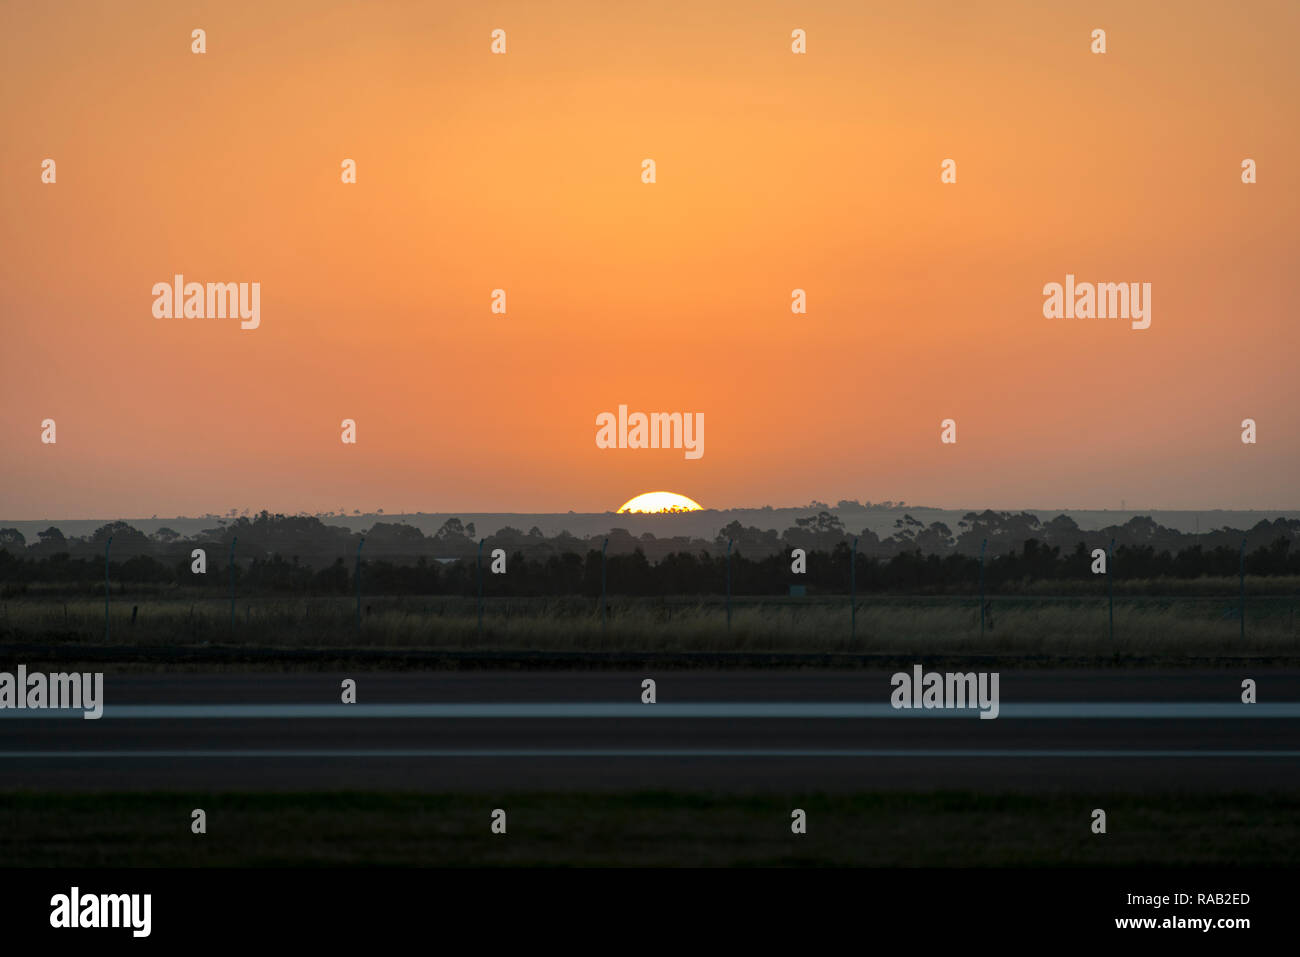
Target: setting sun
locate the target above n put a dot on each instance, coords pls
(660, 502)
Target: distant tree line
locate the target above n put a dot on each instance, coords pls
(276, 554)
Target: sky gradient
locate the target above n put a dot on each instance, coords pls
(522, 172)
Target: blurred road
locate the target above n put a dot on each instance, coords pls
(762, 731)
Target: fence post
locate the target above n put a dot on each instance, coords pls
(853, 593)
(729, 586)
(1241, 605)
(602, 586)
(107, 546)
(983, 545)
(479, 566)
(358, 577)
(1110, 587)
(232, 583)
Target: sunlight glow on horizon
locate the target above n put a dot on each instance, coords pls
(660, 502)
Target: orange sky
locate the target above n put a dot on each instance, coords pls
(522, 172)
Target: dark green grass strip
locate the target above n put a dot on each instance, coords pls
(957, 829)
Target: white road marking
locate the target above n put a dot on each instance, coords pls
(728, 709)
(329, 753)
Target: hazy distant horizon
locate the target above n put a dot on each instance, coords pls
(703, 524)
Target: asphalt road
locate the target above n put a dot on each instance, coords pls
(1094, 731)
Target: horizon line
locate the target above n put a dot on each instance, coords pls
(875, 506)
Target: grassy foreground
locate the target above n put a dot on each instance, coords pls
(944, 829)
(1145, 627)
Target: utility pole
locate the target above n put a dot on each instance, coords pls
(1110, 588)
(853, 593)
(358, 577)
(107, 546)
(232, 583)
(1241, 605)
(479, 565)
(729, 586)
(983, 545)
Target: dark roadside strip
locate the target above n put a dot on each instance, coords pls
(398, 659)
